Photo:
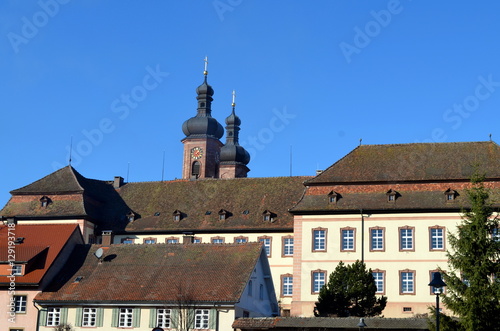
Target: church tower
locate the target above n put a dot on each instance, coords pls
(233, 157)
(202, 143)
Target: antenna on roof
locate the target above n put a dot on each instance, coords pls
(163, 166)
(360, 140)
(490, 136)
(70, 149)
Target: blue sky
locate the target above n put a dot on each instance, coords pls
(118, 78)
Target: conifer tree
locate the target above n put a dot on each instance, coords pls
(473, 286)
(350, 291)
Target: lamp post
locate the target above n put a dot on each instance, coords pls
(438, 284)
(361, 324)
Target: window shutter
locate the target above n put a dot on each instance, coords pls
(152, 318)
(79, 314)
(42, 317)
(136, 317)
(100, 316)
(64, 316)
(212, 319)
(174, 318)
(114, 317)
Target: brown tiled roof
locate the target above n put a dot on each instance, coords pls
(71, 196)
(157, 273)
(37, 236)
(325, 323)
(413, 162)
(244, 199)
(23, 253)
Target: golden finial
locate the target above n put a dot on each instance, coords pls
(234, 97)
(205, 72)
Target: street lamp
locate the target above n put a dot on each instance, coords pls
(361, 324)
(438, 284)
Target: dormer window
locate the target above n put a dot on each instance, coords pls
(223, 214)
(333, 197)
(44, 201)
(392, 195)
(17, 270)
(268, 216)
(130, 216)
(177, 215)
(450, 194)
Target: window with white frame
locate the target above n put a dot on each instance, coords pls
(347, 239)
(287, 285)
(150, 241)
(201, 318)
(377, 239)
(407, 282)
(125, 317)
(17, 270)
(217, 240)
(267, 244)
(437, 238)
(163, 318)
(20, 304)
(378, 276)
(288, 246)
(240, 240)
(53, 316)
(319, 240)
(172, 240)
(89, 317)
(318, 280)
(406, 239)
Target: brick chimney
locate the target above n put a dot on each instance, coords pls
(107, 237)
(118, 182)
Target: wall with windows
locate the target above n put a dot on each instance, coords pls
(403, 250)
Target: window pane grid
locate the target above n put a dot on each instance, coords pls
(318, 281)
(406, 238)
(53, 316)
(288, 249)
(163, 318)
(201, 319)
(319, 240)
(20, 304)
(377, 239)
(125, 319)
(287, 285)
(348, 240)
(267, 245)
(407, 282)
(379, 281)
(89, 317)
(437, 238)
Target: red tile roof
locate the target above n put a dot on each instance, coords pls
(37, 237)
(158, 273)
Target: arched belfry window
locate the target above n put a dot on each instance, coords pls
(195, 170)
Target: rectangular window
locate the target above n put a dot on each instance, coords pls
(407, 282)
(288, 246)
(217, 240)
(89, 317)
(150, 241)
(319, 239)
(287, 288)
(348, 239)
(201, 319)
(53, 316)
(127, 241)
(406, 239)
(437, 238)
(377, 239)
(318, 280)
(267, 245)
(172, 241)
(125, 317)
(496, 234)
(17, 270)
(379, 281)
(240, 240)
(163, 318)
(20, 304)
(197, 241)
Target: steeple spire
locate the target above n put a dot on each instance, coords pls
(205, 72)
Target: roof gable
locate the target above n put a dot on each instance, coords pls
(157, 273)
(64, 180)
(414, 162)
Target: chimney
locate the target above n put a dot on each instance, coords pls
(319, 172)
(118, 182)
(107, 237)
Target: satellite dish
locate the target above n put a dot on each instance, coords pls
(98, 253)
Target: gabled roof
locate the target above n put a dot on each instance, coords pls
(199, 202)
(157, 273)
(71, 195)
(413, 162)
(39, 239)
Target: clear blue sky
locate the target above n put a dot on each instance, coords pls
(119, 78)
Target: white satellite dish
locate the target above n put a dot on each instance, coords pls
(98, 253)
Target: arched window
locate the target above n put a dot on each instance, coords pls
(195, 170)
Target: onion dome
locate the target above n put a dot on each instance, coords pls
(232, 152)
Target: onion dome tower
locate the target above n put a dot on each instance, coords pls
(202, 142)
(233, 157)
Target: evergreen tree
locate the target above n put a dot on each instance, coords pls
(350, 291)
(473, 287)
